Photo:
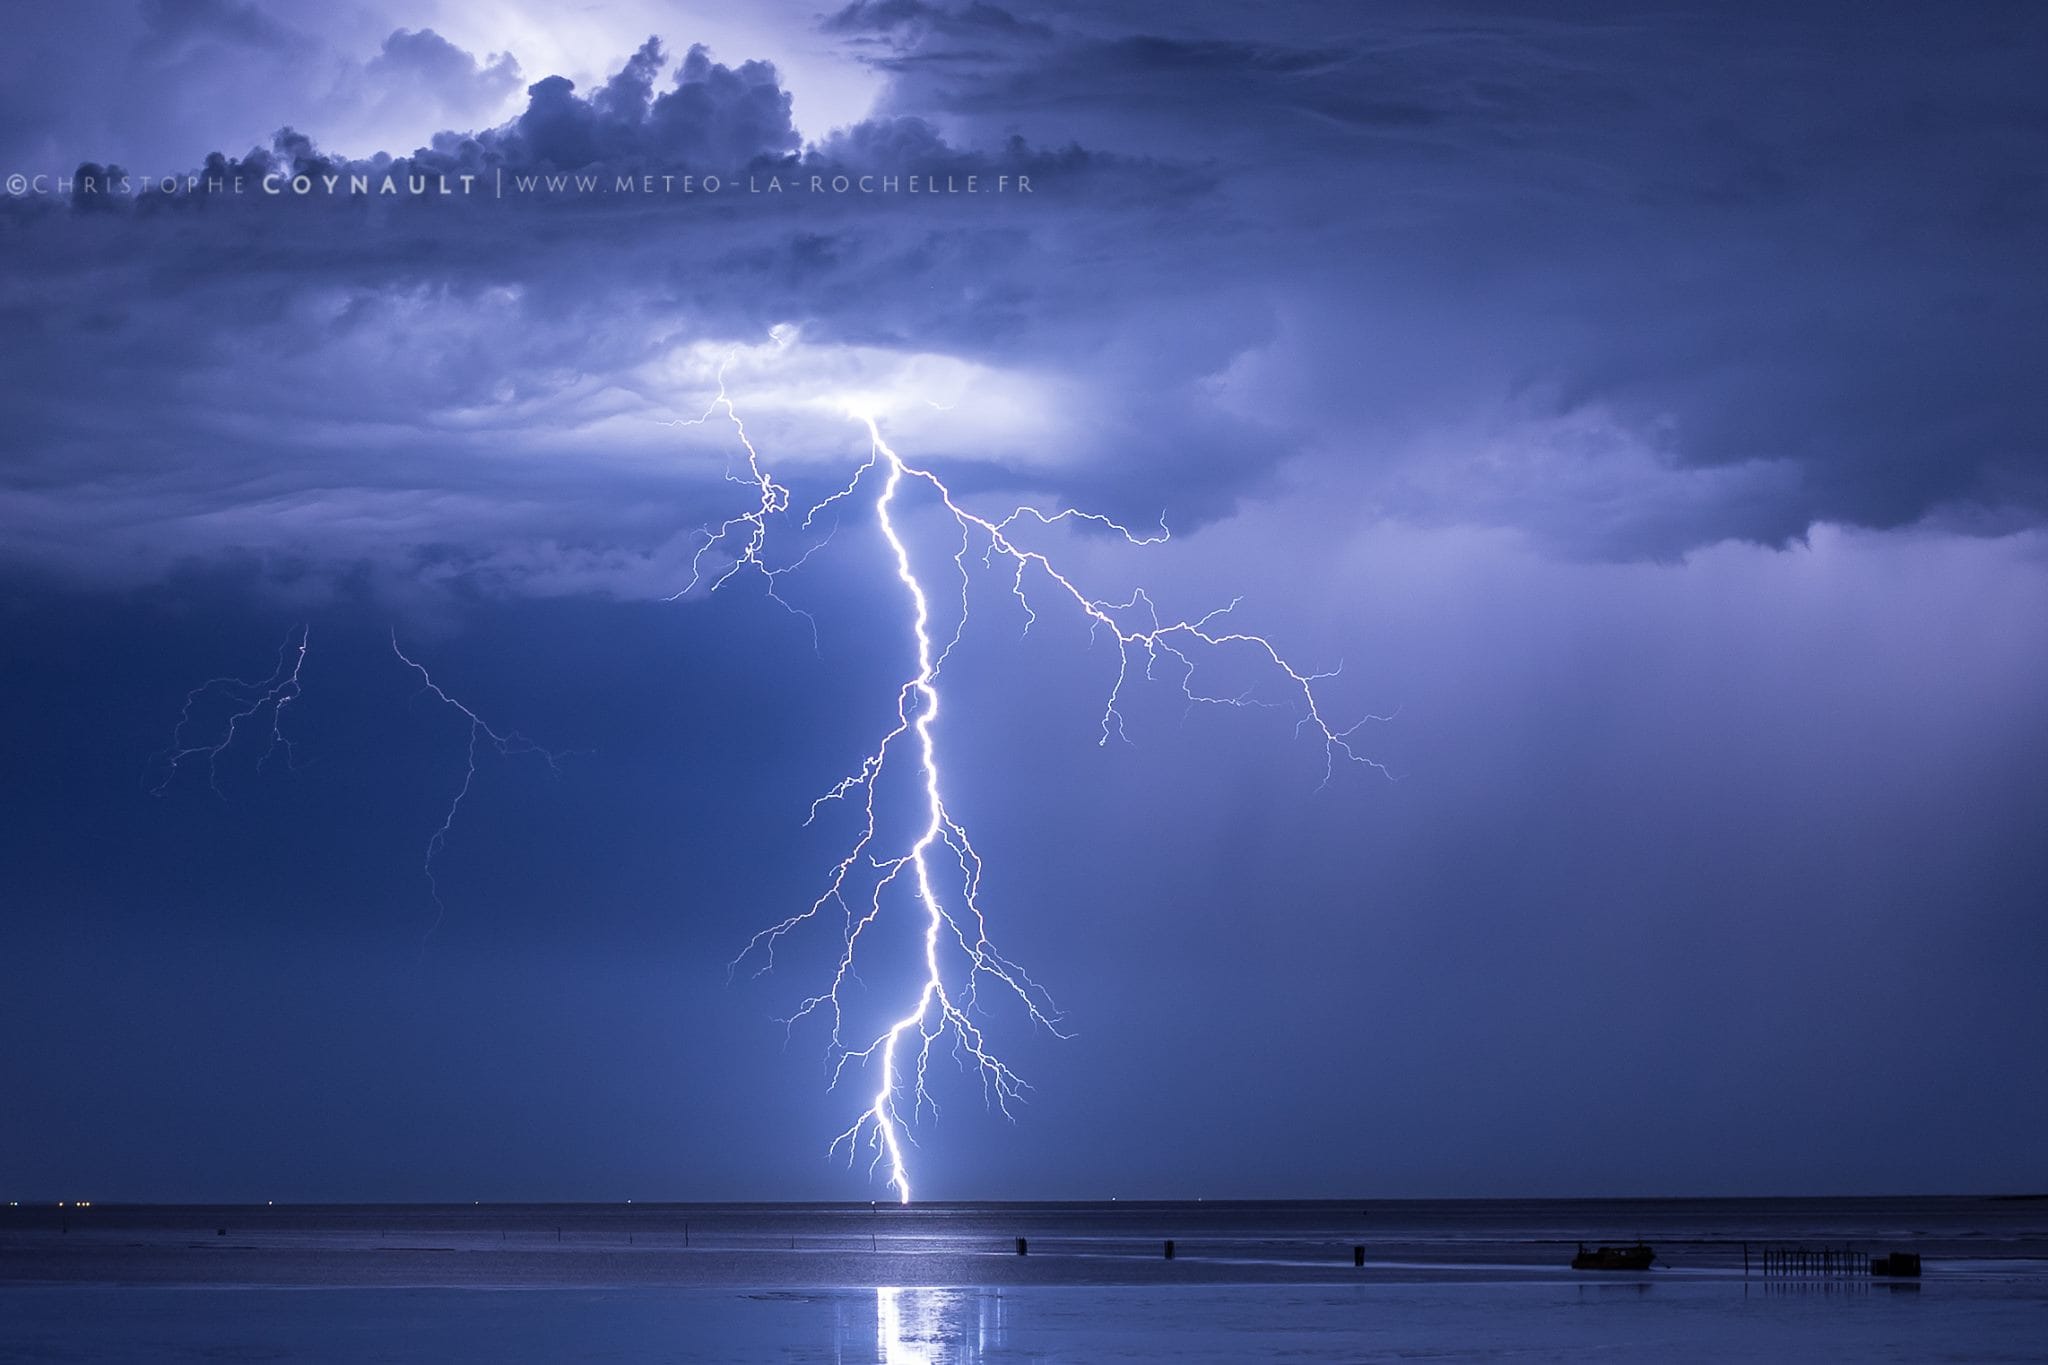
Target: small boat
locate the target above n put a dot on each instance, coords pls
(1637, 1257)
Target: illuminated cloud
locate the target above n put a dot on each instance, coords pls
(1511, 273)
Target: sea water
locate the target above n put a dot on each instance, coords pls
(1443, 1280)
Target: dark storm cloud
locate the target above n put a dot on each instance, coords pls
(905, 21)
(1631, 285)
(1794, 251)
(424, 55)
(714, 116)
(984, 60)
(393, 344)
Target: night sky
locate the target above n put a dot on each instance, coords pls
(1641, 403)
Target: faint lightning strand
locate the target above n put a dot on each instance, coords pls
(251, 698)
(507, 745)
(774, 500)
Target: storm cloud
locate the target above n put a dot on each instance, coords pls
(423, 329)
(1629, 287)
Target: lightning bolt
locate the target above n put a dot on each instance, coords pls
(939, 867)
(507, 744)
(248, 698)
(252, 698)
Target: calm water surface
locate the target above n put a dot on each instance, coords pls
(1466, 1280)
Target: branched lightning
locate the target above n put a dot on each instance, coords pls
(248, 699)
(507, 744)
(939, 865)
(252, 699)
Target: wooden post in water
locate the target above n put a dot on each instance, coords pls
(1023, 1247)
(1358, 1256)
(1169, 1248)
